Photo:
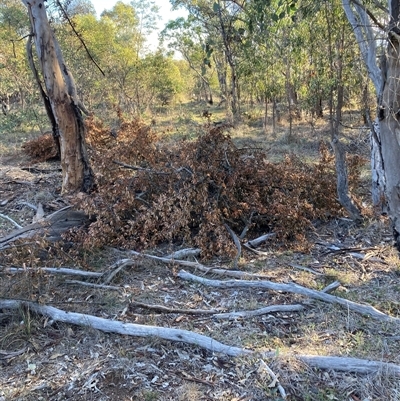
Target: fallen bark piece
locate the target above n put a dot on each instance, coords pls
(111, 326)
(367, 310)
(257, 241)
(184, 253)
(259, 312)
(52, 226)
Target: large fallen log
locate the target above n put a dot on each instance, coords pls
(112, 326)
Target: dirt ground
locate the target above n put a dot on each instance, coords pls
(42, 359)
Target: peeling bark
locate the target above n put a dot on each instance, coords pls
(77, 174)
(390, 131)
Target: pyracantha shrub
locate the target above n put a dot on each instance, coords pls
(149, 193)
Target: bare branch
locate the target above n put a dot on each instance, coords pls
(199, 266)
(164, 309)
(237, 243)
(79, 37)
(93, 285)
(259, 312)
(3, 216)
(185, 336)
(367, 310)
(130, 329)
(52, 270)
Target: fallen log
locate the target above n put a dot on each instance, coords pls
(130, 329)
(366, 310)
(112, 326)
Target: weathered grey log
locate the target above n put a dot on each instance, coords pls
(131, 329)
(366, 310)
(112, 326)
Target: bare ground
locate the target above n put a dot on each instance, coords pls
(45, 360)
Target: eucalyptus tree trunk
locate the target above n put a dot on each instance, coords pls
(389, 115)
(66, 108)
(386, 82)
(366, 39)
(335, 113)
(230, 58)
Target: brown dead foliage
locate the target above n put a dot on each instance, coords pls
(42, 148)
(184, 194)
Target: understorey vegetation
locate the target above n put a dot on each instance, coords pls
(150, 193)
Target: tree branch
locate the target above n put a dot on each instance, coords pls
(79, 37)
(367, 310)
(112, 326)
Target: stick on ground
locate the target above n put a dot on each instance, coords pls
(185, 336)
(367, 310)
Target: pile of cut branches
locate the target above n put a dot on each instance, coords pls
(149, 193)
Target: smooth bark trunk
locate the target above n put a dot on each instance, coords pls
(366, 39)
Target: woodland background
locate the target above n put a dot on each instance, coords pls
(220, 136)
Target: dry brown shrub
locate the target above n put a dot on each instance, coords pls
(42, 148)
(184, 194)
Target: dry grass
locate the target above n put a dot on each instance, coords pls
(60, 361)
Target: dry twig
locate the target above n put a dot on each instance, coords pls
(237, 244)
(3, 216)
(259, 312)
(164, 309)
(93, 285)
(275, 381)
(199, 266)
(52, 270)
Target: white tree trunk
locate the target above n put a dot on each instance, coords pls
(390, 130)
(377, 170)
(366, 40)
